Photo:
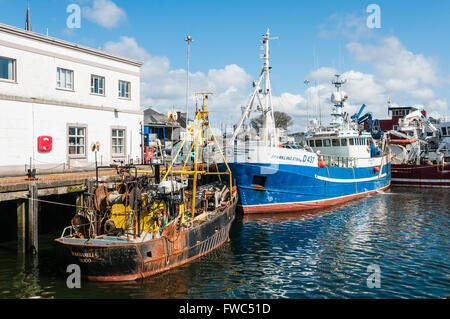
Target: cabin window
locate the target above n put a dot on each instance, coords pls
(7, 69)
(344, 142)
(444, 131)
(352, 141)
(327, 143)
(335, 142)
(77, 141)
(259, 180)
(318, 143)
(97, 85)
(311, 143)
(64, 79)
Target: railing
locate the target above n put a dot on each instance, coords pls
(339, 161)
(64, 231)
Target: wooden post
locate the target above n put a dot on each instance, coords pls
(33, 218)
(79, 202)
(21, 226)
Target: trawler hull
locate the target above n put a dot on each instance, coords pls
(265, 188)
(421, 175)
(110, 259)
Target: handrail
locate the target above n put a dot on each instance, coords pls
(64, 231)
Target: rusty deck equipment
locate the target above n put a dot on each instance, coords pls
(140, 228)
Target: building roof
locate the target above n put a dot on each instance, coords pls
(182, 119)
(65, 44)
(152, 117)
(402, 108)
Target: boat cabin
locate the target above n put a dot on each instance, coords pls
(444, 129)
(343, 144)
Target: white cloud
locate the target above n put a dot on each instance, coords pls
(350, 26)
(402, 73)
(322, 74)
(105, 13)
(165, 88)
(392, 60)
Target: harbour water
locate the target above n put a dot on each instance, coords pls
(404, 233)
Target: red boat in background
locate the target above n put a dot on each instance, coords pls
(420, 150)
(420, 175)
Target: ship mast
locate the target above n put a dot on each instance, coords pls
(203, 138)
(338, 98)
(263, 96)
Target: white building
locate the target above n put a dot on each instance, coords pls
(75, 95)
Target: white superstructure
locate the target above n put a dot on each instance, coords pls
(73, 94)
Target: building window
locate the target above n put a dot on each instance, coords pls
(97, 85)
(118, 142)
(64, 79)
(444, 131)
(124, 89)
(77, 141)
(7, 69)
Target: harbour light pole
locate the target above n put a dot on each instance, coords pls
(188, 39)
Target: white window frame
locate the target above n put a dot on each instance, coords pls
(59, 82)
(127, 91)
(98, 77)
(115, 137)
(13, 71)
(76, 145)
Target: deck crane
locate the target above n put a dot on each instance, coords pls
(416, 123)
(372, 123)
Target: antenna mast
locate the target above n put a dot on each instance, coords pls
(263, 96)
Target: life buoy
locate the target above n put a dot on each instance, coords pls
(322, 164)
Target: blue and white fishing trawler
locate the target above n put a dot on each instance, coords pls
(338, 163)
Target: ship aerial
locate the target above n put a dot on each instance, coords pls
(338, 163)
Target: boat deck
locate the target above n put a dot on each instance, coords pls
(110, 240)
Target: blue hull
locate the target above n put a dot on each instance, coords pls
(284, 188)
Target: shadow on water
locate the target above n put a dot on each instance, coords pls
(320, 254)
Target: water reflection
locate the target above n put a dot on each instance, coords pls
(320, 254)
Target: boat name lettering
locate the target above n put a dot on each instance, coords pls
(86, 255)
(306, 158)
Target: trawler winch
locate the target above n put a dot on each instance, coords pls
(140, 228)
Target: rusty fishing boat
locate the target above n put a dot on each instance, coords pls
(144, 226)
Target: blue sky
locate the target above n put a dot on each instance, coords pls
(313, 35)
